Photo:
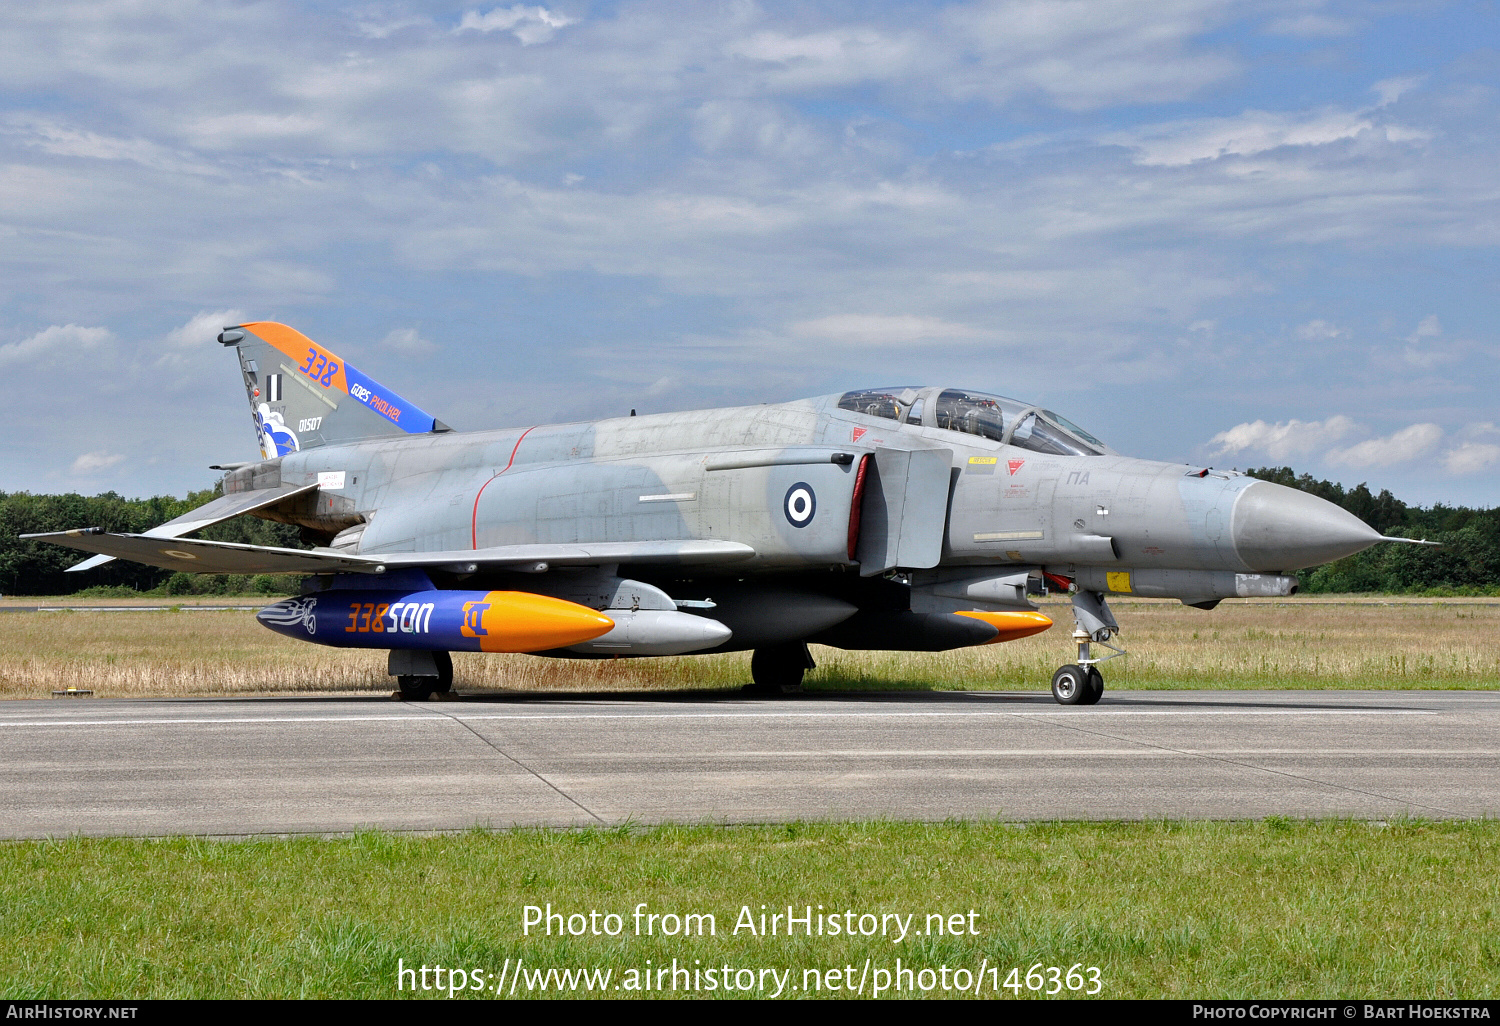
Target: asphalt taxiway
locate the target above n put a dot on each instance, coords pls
(317, 765)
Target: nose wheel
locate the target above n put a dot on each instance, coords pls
(1077, 685)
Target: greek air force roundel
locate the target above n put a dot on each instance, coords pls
(800, 504)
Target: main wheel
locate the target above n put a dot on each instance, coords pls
(1070, 685)
(417, 689)
(778, 669)
(444, 682)
(1096, 686)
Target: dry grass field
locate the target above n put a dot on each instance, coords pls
(1301, 643)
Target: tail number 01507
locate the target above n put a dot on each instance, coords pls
(396, 617)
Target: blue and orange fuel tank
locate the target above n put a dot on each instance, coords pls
(414, 614)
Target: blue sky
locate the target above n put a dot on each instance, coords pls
(1237, 232)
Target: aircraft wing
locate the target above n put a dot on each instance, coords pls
(226, 507)
(687, 552)
(194, 555)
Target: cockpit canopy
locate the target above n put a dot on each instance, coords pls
(977, 413)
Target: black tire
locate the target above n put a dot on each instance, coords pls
(1070, 685)
(444, 682)
(1096, 686)
(778, 669)
(417, 689)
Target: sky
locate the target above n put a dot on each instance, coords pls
(1230, 233)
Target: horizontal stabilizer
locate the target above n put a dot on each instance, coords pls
(194, 555)
(226, 507)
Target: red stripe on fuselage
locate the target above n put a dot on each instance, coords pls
(856, 504)
(474, 522)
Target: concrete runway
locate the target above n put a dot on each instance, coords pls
(314, 765)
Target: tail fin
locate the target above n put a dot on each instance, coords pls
(303, 396)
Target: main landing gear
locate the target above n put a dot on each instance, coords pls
(1081, 683)
(420, 675)
(778, 669)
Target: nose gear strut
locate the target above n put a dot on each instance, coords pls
(1081, 683)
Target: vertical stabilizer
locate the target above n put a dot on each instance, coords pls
(302, 395)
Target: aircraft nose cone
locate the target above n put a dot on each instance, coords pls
(1280, 528)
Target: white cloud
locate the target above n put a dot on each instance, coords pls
(1282, 440)
(66, 141)
(1403, 446)
(93, 462)
(1316, 439)
(1085, 54)
(408, 342)
(841, 56)
(1429, 328)
(65, 340)
(1308, 26)
(203, 328)
(1391, 89)
(375, 28)
(1314, 330)
(884, 330)
(1470, 457)
(528, 24)
(1422, 348)
(1176, 143)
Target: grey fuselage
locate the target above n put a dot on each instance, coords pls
(967, 504)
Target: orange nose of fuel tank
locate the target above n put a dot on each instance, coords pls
(1011, 625)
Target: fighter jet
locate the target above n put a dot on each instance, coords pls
(906, 518)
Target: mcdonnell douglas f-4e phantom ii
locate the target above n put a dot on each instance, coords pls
(917, 519)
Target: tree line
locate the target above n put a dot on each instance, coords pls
(36, 568)
(1467, 563)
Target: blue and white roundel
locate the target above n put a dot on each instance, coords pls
(800, 504)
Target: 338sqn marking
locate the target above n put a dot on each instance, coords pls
(395, 617)
(320, 368)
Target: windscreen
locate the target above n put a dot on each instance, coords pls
(1036, 433)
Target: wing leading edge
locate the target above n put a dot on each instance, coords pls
(193, 555)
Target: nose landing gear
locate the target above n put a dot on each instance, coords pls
(1081, 683)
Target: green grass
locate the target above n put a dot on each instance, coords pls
(1203, 910)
